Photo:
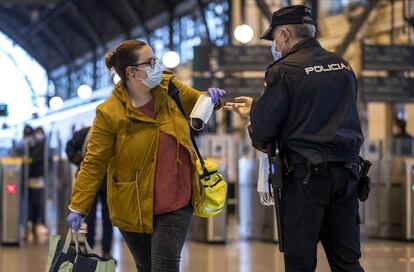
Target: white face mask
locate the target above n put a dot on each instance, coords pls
(276, 54)
(154, 76)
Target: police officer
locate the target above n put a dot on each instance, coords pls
(309, 108)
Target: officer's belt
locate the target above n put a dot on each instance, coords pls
(296, 158)
(303, 168)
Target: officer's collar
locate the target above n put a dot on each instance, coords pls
(305, 43)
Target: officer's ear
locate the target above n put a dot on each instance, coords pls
(286, 35)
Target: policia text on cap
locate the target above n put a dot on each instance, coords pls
(308, 107)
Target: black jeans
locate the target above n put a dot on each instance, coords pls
(161, 251)
(106, 221)
(35, 205)
(326, 210)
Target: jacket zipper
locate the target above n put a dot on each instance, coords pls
(139, 201)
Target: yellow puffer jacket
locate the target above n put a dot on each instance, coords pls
(124, 144)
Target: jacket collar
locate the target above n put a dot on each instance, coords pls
(305, 43)
(159, 92)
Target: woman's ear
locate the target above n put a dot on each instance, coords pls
(130, 72)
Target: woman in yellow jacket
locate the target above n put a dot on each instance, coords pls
(142, 141)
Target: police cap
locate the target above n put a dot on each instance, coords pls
(289, 16)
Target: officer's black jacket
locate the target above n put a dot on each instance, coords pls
(308, 105)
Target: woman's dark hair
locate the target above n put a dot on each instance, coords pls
(122, 56)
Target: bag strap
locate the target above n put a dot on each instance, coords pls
(68, 240)
(76, 237)
(173, 93)
(82, 238)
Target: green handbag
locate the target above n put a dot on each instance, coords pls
(64, 257)
(214, 186)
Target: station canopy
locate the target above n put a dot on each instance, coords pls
(56, 32)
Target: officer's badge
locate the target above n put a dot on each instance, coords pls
(265, 84)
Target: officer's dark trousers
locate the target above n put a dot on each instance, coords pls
(326, 210)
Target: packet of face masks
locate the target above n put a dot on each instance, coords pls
(201, 112)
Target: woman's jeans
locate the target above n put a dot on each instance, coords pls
(161, 250)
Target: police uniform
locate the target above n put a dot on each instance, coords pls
(309, 108)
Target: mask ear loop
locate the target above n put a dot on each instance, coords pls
(140, 70)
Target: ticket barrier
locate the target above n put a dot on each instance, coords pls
(257, 222)
(10, 196)
(388, 213)
(211, 230)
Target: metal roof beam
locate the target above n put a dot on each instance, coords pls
(44, 19)
(136, 16)
(48, 16)
(203, 16)
(355, 27)
(53, 39)
(264, 8)
(88, 25)
(10, 30)
(58, 43)
(70, 24)
(118, 19)
(25, 44)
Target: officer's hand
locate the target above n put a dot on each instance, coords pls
(242, 106)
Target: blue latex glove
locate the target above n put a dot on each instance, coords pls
(74, 220)
(216, 94)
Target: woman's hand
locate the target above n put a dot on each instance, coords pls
(242, 106)
(216, 94)
(74, 220)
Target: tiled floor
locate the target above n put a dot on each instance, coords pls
(235, 255)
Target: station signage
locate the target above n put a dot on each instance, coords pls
(234, 86)
(242, 58)
(387, 89)
(232, 58)
(387, 57)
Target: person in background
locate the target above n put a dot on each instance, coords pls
(75, 150)
(36, 181)
(402, 141)
(22, 149)
(142, 141)
(27, 133)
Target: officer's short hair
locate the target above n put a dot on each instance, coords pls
(302, 31)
